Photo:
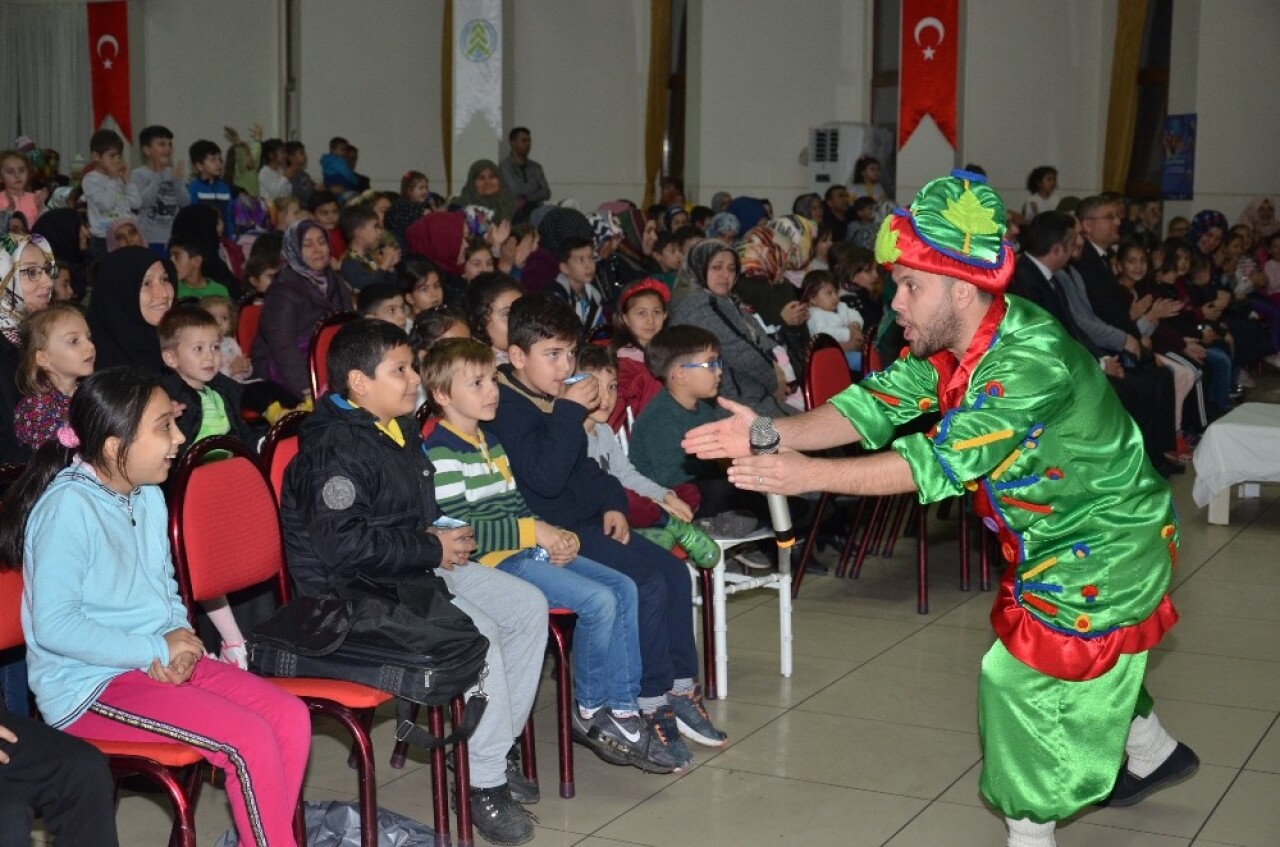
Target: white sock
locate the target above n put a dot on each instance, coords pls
(1148, 745)
(587, 714)
(1025, 833)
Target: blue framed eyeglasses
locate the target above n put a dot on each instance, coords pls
(714, 364)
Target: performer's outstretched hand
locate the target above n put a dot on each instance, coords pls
(726, 439)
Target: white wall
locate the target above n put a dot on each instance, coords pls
(578, 71)
(205, 66)
(1225, 64)
(760, 75)
(1036, 79)
(371, 73)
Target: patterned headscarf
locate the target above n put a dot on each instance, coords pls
(632, 223)
(603, 230)
(669, 215)
(1203, 222)
(402, 215)
(291, 250)
(478, 220)
(13, 308)
(720, 201)
(777, 246)
(560, 224)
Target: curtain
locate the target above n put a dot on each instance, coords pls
(44, 78)
(1122, 112)
(655, 109)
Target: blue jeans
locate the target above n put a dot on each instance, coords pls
(13, 682)
(1219, 376)
(606, 641)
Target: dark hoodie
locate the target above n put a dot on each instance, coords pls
(356, 502)
(547, 445)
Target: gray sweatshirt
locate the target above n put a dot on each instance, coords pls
(161, 197)
(603, 446)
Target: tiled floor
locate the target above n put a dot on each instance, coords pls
(873, 741)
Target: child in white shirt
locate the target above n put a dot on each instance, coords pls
(829, 316)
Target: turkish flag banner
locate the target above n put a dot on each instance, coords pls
(927, 68)
(109, 64)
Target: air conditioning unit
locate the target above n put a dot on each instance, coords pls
(834, 149)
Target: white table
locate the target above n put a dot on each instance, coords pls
(1240, 448)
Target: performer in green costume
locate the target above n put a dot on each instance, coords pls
(1031, 426)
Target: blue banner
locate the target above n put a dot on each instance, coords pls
(1178, 169)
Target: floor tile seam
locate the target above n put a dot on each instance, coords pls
(1185, 651)
(799, 779)
(886, 721)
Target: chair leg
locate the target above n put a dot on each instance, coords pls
(401, 751)
(365, 716)
(922, 559)
(902, 509)
(529, 752)
(871, 536)
(354, 723)
(184, 824)
(300, 823)
(461, 778)
(710, 684)
(439, 779)
(810, 543)
(964, 543)
(560, 637)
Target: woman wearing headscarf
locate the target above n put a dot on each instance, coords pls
(768, 254)
(808, 206)
(750, 375)
(304, 292)
(403, 214)
(1250, 341)
(132, 290)
(720, 201)
(68, 236)
(1259, 215)
(26, 285)
(638, 236)
(484, 188)
(612, 273)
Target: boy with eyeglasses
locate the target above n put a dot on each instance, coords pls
(686, 359)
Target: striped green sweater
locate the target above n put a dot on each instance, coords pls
(474, 484)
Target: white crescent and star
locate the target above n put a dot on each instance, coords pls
(930, 23)
(105, 40)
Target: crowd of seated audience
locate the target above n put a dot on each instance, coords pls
(544, 338)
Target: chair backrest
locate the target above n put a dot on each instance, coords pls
(828, 373)
(11, 609)
(247, 326)
(279, 448)
(428, 423)
(319, 350)
(223, 523)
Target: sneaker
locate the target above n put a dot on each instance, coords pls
(755, 559)
(499, 818)
(610, 744)
(692, 719)
(659, 535)
(1131, 790)
(523, 790)
(702, 550)
(662, 745)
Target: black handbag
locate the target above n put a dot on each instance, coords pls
(407, 639)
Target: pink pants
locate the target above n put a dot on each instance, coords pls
(257, 734)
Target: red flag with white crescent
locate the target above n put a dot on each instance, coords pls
(929, 60)
(109, 64)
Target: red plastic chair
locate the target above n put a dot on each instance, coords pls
(280, 447)
(247, 323)
(175, 767)
(319, 349)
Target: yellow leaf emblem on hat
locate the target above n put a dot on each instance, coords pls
(887, 250)
(968, 215)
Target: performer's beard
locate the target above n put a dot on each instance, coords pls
(936, 332)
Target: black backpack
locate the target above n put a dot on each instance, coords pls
(406, 638)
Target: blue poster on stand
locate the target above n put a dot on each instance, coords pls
(1178, 144)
